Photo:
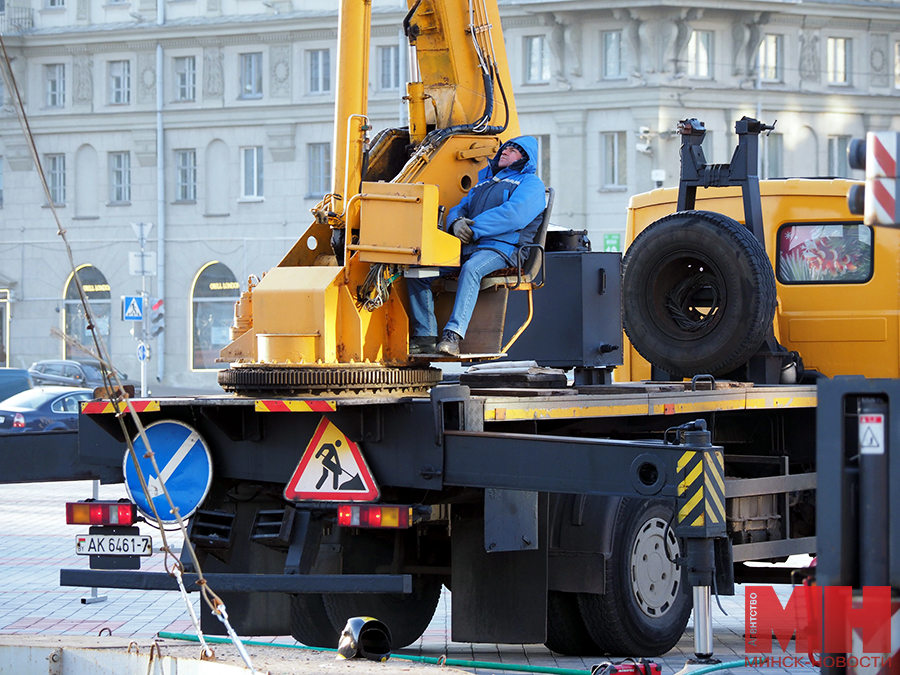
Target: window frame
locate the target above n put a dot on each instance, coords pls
(617, 142)
(251, 75)
(544, 62)
(605, 73)
(119, 177)
(771, 73)
(842, 57)
(319, 163)
(780, 263)
(256, 173)
(695, 61)
(186, 80)
(773, 144)
(119, 84)
(389, 57)
(54, 75)
(185, 175)
(318, 71)
(55, 173)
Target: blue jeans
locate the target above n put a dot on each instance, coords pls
(421, 300)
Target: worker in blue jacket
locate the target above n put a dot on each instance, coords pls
(503, 210)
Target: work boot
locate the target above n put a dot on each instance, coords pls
(423, 344)
(449, 343)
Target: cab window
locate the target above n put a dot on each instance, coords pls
(824, 253)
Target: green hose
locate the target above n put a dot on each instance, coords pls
(461, 663)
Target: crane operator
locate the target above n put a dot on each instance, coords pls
(502, 211)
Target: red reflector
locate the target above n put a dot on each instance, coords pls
(101, 513)
(367, 515)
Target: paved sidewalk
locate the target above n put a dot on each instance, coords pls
(37, 543)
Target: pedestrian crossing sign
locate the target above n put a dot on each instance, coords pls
(331, 469)
(133, 308)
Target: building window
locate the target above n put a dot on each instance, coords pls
(119, 82)
(771, 58)
(389, 72)
(772, 159)
(55, 85)
(319, 168)
(185, 78)
(186, 175)
(838, 167)
(213, 296)
(119, 177)
(55, 173)
(319, 71)
(837, 60)
(55, 3)
(252, 171)
(251, 75)
(699, 54)
(537, 60)
(543, 163)
(897, 65)
(613, 56)
(96, 288)
(614, 175)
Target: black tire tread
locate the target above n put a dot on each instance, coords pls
(310, 623)
(763, 310)
(566, 632)
(606, 615)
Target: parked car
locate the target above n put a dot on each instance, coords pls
(43, 409)
(70, 373)
(14, 380)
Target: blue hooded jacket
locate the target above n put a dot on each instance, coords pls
(504, 203)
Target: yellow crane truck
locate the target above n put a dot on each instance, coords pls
(344, 478)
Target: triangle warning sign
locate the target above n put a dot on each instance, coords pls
(332, 469)
(134, 310)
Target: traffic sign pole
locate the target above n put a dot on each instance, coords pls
(142, 230)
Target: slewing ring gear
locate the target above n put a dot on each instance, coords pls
(312, 379)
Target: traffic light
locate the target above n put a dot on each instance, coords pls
(157, 317)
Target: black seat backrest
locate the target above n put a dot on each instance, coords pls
(532, 264)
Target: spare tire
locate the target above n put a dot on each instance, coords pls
(698, 294)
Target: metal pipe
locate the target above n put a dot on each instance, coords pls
(160, 351)
(703, 635)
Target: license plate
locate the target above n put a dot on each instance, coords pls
(113, 544)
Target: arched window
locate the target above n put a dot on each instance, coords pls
(96, 289)
(213, 296)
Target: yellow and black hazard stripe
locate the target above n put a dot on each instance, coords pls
(701, 487)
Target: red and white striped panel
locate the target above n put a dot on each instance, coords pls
(863, 663)
(882, 152)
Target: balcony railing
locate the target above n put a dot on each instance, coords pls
(16, 20)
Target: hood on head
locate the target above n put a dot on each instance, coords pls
(529, 145)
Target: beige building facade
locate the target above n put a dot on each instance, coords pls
(215, 127)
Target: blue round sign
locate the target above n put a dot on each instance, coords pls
(185, 467)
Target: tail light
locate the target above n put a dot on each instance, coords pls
(101, 513)
(19, 421)
(375, 515)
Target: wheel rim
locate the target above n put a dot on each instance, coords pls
(655, 580)
(695, 295)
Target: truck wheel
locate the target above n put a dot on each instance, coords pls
(310, 623)
(566, 632)
(647, 604)
(698, 294)
(407, 616)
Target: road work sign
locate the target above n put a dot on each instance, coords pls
(332, 469)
